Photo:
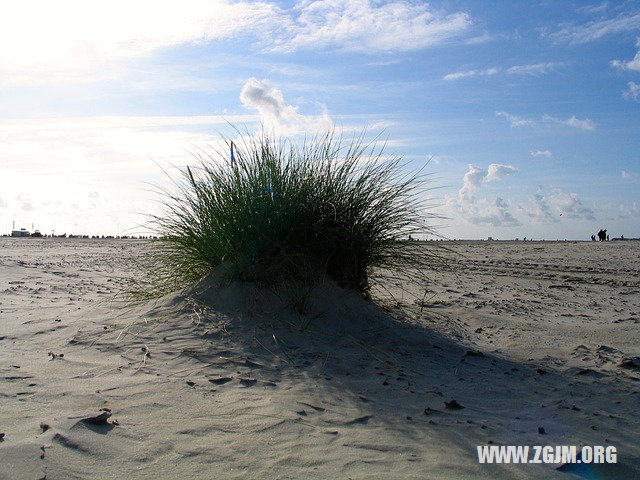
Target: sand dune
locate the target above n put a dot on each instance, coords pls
(226, 381)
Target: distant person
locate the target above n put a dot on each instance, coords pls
(607, 237)
(593, 238)
(525, 239)
(621, 237)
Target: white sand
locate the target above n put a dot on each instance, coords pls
(230, 389)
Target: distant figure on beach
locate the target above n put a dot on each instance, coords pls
(607, 237)
(602, 235)
(593, 238)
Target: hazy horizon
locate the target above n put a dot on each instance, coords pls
(527, 113)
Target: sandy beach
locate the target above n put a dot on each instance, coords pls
(538, 343)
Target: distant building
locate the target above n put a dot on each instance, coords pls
(20, 233)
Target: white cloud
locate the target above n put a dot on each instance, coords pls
(435, 159)
(68, 39)
(629, 176)
(573, 122)
(77, 40)
(277, 113)
(486, 212)
(24, 201)
(50, 166)
(497, 171)
(75, 145)
(532, 69)
(482, 211)
(471, 73)
(595, 8)
(555, 207)
(384, 63)
(633, 91)
(631, 64)
(539, 210)
(480, 39)
(541, 153)
(514, 120)
(625, 212)
(499, 215)
(585, 124)
(471, 180)
(535, 69)
(366, 26)
(570, 206)
(457, 75)
(594, 30)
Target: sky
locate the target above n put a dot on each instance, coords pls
(526, 113)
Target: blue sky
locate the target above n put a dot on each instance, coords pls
(528, 111)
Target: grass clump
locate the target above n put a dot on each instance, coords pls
(287, 212)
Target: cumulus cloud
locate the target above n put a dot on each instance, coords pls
(482, 211)
(570, 206)
(633, 64)
(514, 120)
(476, 176)
(486, 212)
(534, 69)
(573, 122)
(471, 180)
(497, 171)
(276, 112)
(471, 73)
(541, 153)
(499, 215)
(594, 30)
(552, 208)
(539, 210)
(629, 176)
(633, 91)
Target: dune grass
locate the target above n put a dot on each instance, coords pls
(291, 213)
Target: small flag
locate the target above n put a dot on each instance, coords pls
(233, 157)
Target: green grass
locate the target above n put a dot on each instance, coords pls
(291, 213)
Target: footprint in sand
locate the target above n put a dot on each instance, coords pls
(359, 421)
(632, 363)
(317, 409)
(220, 380)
